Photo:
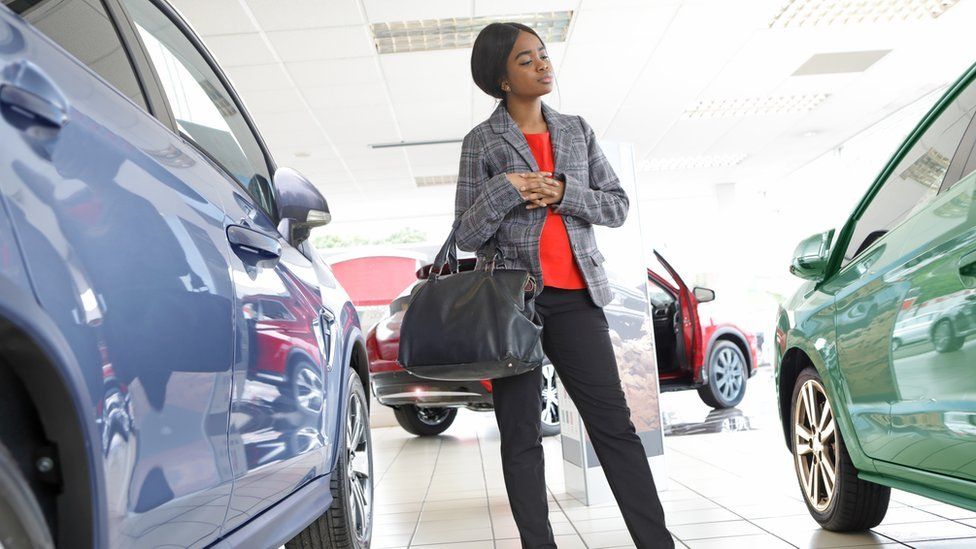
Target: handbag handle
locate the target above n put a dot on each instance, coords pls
(448, 254)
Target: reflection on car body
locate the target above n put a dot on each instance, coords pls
(139, 247)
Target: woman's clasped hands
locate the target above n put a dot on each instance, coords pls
(539, 189)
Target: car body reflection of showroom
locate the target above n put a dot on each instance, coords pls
(219, 220)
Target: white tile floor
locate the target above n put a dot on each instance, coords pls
(728, 490)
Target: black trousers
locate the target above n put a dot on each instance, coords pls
(576, 338)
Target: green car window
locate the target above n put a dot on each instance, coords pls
(917, 178)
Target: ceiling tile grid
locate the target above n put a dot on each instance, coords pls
(236, 50)
(277, 15)
(322, 43)
(215, 17)
(310, 74)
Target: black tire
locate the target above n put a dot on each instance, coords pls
(424, 422)
(854, 504)
(726, 385)
(22, 524)
(948, 342)
(550, 402)
(338, 526)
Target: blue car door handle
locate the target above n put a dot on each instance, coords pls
(252, 246)
(27, 92)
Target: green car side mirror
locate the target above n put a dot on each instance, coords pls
(810, 257)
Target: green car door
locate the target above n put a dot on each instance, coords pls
(896, 244)
(933, 355)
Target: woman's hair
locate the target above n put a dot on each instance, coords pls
(489, 55)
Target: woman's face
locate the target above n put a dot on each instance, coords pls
(529, 72)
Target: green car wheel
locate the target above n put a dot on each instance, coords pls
(836, 498)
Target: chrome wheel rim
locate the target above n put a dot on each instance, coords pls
(815, 445)
(550, 396)
(433, 416)
(359, 467)
(727, 373)
(308, 390)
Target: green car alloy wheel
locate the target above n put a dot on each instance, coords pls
(836, 498)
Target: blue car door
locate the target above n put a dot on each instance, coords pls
(126, 252)
(277, 434)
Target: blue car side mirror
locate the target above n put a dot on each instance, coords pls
(301, 207)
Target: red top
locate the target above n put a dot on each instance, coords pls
(559, 268)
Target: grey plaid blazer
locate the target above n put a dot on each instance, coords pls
(488, 205)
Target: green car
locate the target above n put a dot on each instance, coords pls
(876, 352)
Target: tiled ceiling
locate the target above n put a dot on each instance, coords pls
(310, 75)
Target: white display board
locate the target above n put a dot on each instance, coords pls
(632, 333)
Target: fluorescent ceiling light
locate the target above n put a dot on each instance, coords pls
(755, 106)
(840, 62)
(460, 32)
(413, 143)
(676, 163)
(812, 13)
(436, 180)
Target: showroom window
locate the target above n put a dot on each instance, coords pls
(917, 178)
(204, 109)
(84, 30)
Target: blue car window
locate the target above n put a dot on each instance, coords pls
(85, 31)
(205, 111)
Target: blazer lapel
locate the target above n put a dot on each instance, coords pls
(502, 123)
(560, 137)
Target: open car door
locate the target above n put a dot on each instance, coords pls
(690, 344)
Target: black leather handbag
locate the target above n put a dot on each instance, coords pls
(470, 325)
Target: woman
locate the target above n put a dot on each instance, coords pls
(536, 181)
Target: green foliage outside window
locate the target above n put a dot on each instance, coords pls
(403, 236)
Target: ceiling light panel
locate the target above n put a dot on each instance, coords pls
(460, 32)
(813, 13)
(677, 163)
(755, 106)
(840, 62)
(435, 180)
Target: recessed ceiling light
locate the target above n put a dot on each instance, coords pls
(302, 154)
(460, 32)
(812, 13)
(811, 133)
(413, 143)
(676, 163)
(755, 106)
(840, 62)
(436, 180)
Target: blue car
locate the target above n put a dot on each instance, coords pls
(177, 365)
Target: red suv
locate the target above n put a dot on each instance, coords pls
(715, 359)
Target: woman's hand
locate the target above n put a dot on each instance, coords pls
(537, 188)
(544, 190)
